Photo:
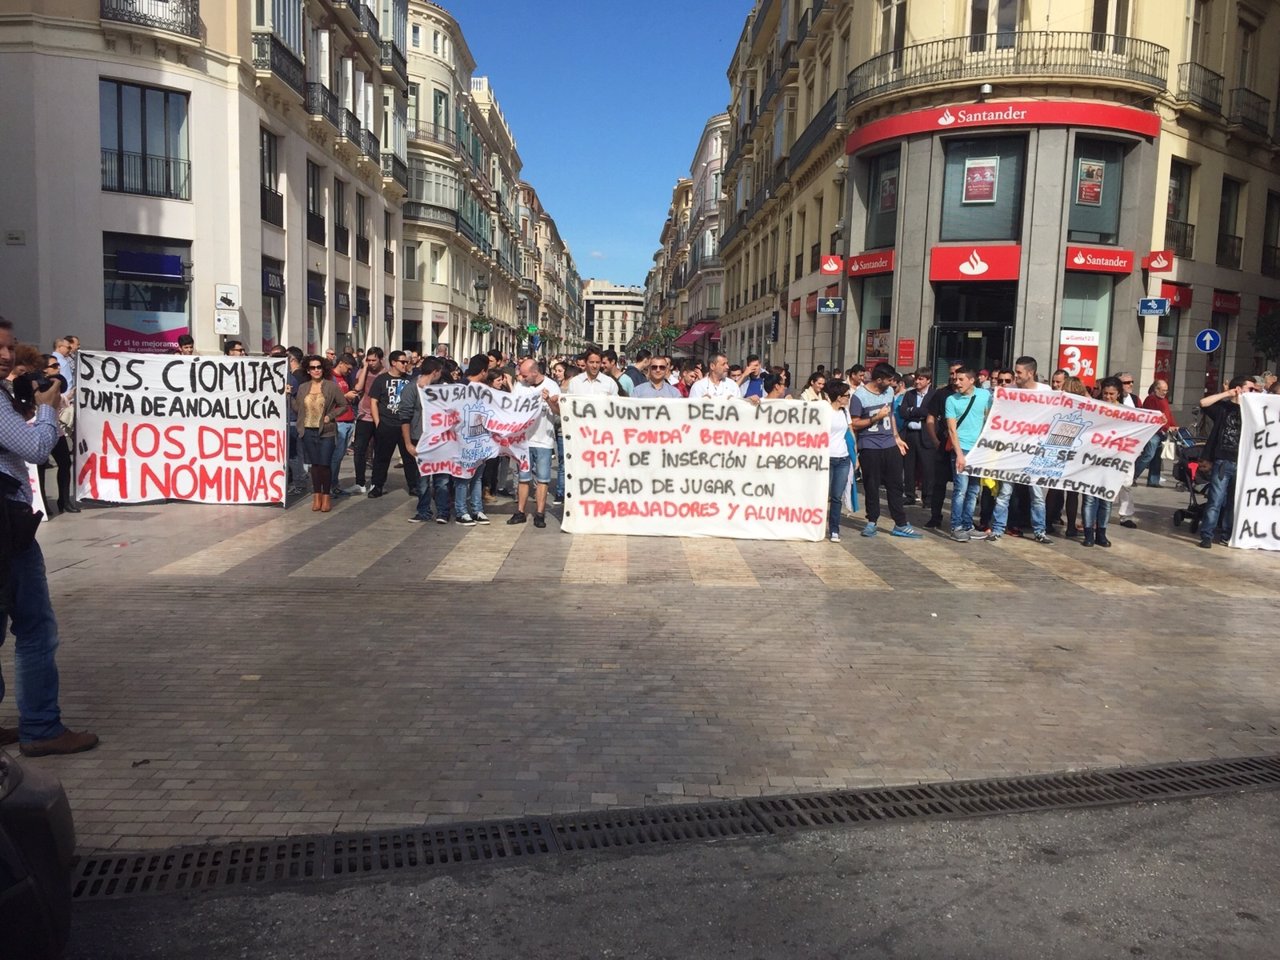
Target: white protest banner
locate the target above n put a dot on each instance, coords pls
(202, 429)
(1256, 524)
(688, 468)
(37, 494)
(1048, 438)
(465, 424)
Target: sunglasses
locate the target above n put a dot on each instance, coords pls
(1005, 380)
(1126, 383)
(314, 366)
(657, 366)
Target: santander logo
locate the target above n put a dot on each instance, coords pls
(975, 266)
(831, 265)
(1078, 259)
(946, 119)
(1159, 262)
(854, 266)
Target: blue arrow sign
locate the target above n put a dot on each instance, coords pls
(1208, 340)
(1153, 307)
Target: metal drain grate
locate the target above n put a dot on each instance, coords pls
(196, 868)
(653, 825)
(449, 844)
(506, 841)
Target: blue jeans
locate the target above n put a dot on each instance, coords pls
(560, 466)
(433, 488)
(467, 494)
(340, 450)
(1000, 516)
(840, 467)
(1149, 458)
(35, 633)
(964, 498)
(1096, 513)
(1219, 507)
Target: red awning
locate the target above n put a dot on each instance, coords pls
(695, 333)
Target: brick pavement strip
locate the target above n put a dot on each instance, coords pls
(545, 674)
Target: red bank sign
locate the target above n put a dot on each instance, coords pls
(831, 265)
(975, 263)
(865, 264)
(1179, 294)
(1224, 302)
(1019, 113)
(1158, 261)
(1099, 259)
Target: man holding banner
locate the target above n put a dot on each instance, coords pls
(1222, 449)
(542, 440)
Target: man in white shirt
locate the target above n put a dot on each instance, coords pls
(1024, 378)
(716, 385)
(590, 383)
(541, 442)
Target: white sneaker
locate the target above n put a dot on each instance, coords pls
(481, 518)
(835, 538)
(357, 488)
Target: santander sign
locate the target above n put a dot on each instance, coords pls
(1099, 260)
(975, 262)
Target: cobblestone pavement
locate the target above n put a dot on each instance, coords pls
(260, 672)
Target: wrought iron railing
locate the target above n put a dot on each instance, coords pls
(270, 54)
(272, 206)
(321, 102)
(173, 16)
(1199, 85)
(349, 126)
(388, 260)
(984, 57)
(146, 174)
(369, 23)
(1249, 110)
(802, 28)
(430, 213)
(818, 128)
(369, 145)
(393, 58)
(1229, 247)
(315, 228)
(437, 134)
(362, 248)
(761, 15)
(341, 240)
(395, 169)
(1180, 237)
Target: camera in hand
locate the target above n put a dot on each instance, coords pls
(27, 385)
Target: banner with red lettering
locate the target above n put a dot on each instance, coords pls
(689, 468)
(1256, 521)
(203, 429)
(465, 424)
(1053, 439)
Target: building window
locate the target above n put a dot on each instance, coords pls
(1086, 305)
(316, 288)
(417, 36)
(1110, 25)
(440, 111)
(272, 301)
(1179, 232)
(1197, 35)
(882, 199)
(1229, 239)
(144, 140)
(435, 42)
(410, 253)
(982, 189)
(145, 293)
(434, 183)
(315, 205)
(272, 199)
(1246, 43)
(999, 17)
(362, 228)
(893, 28)
(1096, 181)
(439, 264)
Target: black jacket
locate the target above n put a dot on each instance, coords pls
(915, 408)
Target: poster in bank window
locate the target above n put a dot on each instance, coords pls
(1048, 438)
(981, 177)
(1089, 177)
(201, 429)
(689, 468)
(1256, 521)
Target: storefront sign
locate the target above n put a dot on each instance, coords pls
(1178, 294)
(1018, 113)
(981, 177)
(831, 265)
(1050, 438)
(876, 347)
(888, 199)
(773, 328)
(1266, 308)
(682, 468)
(273, 283)
(1078, 354)
(1164, 359)
(831, 305)
(201, 429)
(1089, 177)
(1099, 260)
(1158, 261)
(1224, 302)
(795, 308)
(975, 263)
(864, 264)
(1257, 513)
(906, 355)
(811, 303)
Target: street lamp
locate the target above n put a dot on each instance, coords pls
(480, 324)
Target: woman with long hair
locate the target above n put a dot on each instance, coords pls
(318, 403)
(836, 392)
(813, 390)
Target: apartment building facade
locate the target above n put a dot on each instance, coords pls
(614, 313)
(975, 181)
(477, 259)
(218, 168)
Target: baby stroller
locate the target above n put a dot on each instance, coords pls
(1186, 472)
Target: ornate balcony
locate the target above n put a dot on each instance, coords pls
(395, 169)
(1201, 86)
(180, 17)
(436, 133)
(1180, 238)
(146, 174)
(430, 213)
(370, 147)
(322, 104)
(349, 127)
(273, 61)
(395, 68)
(1248, 110)
(1068, 55)
(1229, 248)
(822, 124)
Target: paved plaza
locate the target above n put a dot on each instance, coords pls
(257, 672)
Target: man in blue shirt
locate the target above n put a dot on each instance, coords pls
(752, 379)
(966, 412)
(880, 449)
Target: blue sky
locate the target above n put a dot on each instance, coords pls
(606, 100)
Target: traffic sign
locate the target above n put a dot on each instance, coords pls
(831, 305)
(1208, 340)
(1153, 307)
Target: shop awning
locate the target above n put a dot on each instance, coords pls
(696, 333)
